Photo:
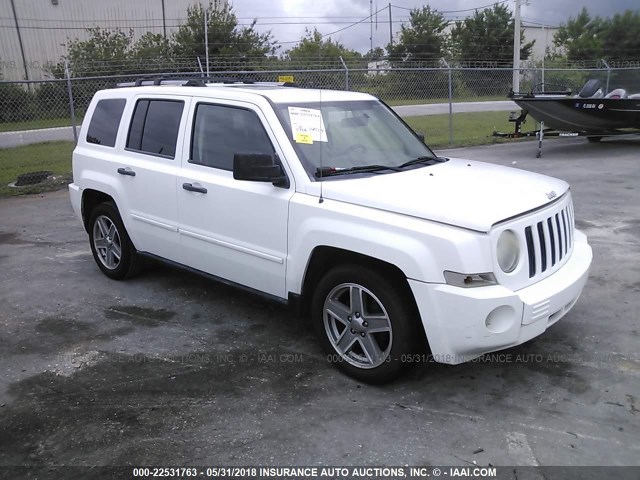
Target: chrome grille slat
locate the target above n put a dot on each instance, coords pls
(536, 246)
(547, 235)
(558, 240)
(559, 236)
(554, 243)
(564, 228)
(530, 251)
(543, 247)
(549, 240)
(571, 225)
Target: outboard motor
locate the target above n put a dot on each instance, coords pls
(591, 89)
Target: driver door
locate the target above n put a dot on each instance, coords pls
(233, 229)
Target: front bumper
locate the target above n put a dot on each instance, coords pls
(464, 323)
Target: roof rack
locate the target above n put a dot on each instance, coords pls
(198, 82)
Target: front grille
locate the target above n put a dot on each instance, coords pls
(549, 241)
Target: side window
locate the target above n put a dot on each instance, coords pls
(220, 132)
(154, 127)
(105, 122)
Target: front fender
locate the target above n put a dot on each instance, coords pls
(422, 250)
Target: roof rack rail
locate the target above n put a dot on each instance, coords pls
(202, 81)
(199, 82)
(154, 81)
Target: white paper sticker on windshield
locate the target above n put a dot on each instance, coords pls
(307, 125)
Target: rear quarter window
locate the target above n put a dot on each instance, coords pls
(105, 121)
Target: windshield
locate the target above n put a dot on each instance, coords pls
(336, 136)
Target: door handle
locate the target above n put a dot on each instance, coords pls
(194, 188)
(126, 171)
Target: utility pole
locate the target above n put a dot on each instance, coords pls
(516, 49)
(24, 59)
(164, 23)
(544, 35)
(371, 24)
(390, 27)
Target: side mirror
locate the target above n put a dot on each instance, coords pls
(420, 136)
(258, 167)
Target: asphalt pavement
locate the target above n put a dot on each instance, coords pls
(173, 369)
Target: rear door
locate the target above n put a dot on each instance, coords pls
(148, 170)
(236, 230)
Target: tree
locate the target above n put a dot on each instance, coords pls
(424, 38)
(111, 52)
(487, 35)
(152, 46)
(103, 53)
(587, 38)
(313, 51)
(621, 40)
(225, 37)
(580, 37)
(377, 53)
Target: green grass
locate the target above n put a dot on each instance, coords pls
(37, 124)
(468, 128)
(426, 101)
(53, 156)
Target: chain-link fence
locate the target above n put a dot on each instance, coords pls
(50, 103)
(32, 112)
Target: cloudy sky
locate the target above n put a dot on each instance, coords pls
(287, 19)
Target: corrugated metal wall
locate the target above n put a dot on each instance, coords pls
(46, 25)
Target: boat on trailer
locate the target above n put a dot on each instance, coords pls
(591, 113)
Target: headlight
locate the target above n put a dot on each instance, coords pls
(508, 251)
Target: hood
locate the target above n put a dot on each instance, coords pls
(468, 194)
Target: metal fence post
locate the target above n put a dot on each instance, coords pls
(346, 74)
(206, 37)
(446, 64)
(71, 106)
(608, 74)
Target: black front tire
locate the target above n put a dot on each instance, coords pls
(112, 249)
(381, 298)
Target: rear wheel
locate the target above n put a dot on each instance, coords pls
(365, 322)
(111, 246)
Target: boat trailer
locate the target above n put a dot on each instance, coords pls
(520, 118)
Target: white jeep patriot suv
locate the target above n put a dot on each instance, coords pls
(329, 200)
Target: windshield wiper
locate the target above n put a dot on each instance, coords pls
(424, 160)
(331, 171)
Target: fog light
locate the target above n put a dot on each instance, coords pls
(500, 319)
(469, 280)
